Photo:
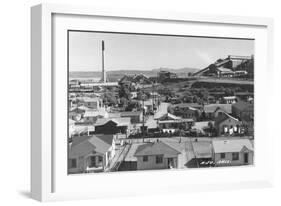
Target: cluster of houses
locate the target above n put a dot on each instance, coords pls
(184, 135)
(230, 119)
(99, 153)
(160, 134)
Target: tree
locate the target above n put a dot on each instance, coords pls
(165, 91)
(195, 99)
(124, 102)
(109, 98)
(229, 92)
(124, 92)
(132, 105)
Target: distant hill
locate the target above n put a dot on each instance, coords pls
(115, 75)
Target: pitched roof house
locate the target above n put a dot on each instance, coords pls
(232, 152)
(156, 155)
(170, 123)
(245, 112)
(89, 154)
(113, 125)
(213, 110)
(226, 124)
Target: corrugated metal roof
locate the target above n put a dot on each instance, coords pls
(202, 149)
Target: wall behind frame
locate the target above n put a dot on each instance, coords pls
(15, 104)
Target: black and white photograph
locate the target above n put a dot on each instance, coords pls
(158, 102)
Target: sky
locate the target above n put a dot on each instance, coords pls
(146, 52)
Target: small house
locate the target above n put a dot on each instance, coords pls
(113, 126)
(245, 112)
(233, 152)
(91, 116)
(157, 155)
(211, 111)
(94, 103)
(187, 110)
(136, 117)
(230, 100)
(226, 124)
(170, 123)
(90, 154)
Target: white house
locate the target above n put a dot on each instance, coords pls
(170, 123)
(91, 116)
(157, 155)
(90, 154)
(233, 152)
(94, 103)
(230, 99)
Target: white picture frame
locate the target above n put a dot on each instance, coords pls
(49, 180)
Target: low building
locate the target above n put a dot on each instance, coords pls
(81, 129)
(226, 124)
(90, 154)
(136, 117)
(91, 116)
(233, 152)
(187, 110)
(113, 126)
(245, 112)
(170, 123)
(94, 103)
(156, 155)
(230, 100)
(202, 128)
(211, 111)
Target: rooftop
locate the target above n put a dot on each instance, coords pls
(99, 144)
(210, 108)
(223, 117)
(168, 116)
(176, 120)
(130, 113)
(95, 113)
(157, 148)
(90, 99)
(120, 121)
(183, 105)
(202, 149)
(233, 145)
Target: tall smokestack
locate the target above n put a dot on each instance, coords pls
(103, 75)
